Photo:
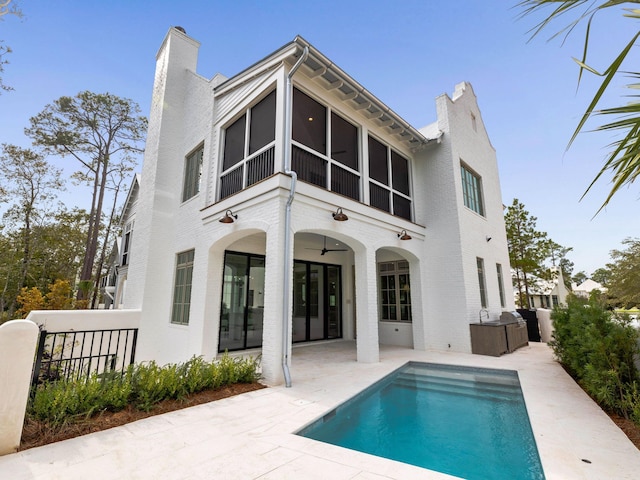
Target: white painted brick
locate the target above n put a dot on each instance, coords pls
(447, 237)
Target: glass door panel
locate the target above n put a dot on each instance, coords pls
(334, 302)
(300, 302)
(316, 302)
(255, 302)
(232, 331)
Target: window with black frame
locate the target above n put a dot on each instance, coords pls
(389, 184)
(249, 143)
(325, 147)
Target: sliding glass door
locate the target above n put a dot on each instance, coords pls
(316, 302)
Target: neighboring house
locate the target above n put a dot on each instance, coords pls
(114, 284)
(585, 288)
(391, 234)
(549, 293)
(109, 280)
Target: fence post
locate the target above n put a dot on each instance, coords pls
(18, 340)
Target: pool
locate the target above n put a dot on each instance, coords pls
(463, 421)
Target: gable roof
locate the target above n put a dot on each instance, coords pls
(131, 197)
(332, 78)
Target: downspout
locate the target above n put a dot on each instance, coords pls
(287, 218)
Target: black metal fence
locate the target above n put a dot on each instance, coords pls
(79, 354)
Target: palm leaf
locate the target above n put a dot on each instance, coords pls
(624, 160)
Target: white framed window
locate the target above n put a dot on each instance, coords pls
(472, 189)
(500, 284)
(192, 173)
(182, 288)
(126, 244)
(482, 283)
(395, 291)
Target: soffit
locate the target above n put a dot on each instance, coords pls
(333, 79)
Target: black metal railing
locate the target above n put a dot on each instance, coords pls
(309, 167)
(246, 174)
(231, 182)
(345, 182)
(260, 166)
(76, 355)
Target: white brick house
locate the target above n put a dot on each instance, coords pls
(216, 147)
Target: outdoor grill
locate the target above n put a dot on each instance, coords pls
(511, 317)
(499, 336)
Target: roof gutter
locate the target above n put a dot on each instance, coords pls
(286, 345)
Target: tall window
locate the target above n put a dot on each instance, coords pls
(192, 174)
(388, 180)
(395, 291)
(126, 243)
(249, 147)
(182, 288)
(242, 308)
(325, 147)
(472, 190)
(500, 284)
(482, 282)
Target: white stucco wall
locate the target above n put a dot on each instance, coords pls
(18, 339)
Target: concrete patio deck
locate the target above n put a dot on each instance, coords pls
(250, 436)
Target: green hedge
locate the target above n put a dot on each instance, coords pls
(598, 349)
(142, 385)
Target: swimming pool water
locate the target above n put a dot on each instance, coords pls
(463, 421)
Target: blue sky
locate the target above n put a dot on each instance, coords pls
(406, 53)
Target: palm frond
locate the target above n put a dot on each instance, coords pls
(624, 160)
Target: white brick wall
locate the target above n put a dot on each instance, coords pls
(447, 237)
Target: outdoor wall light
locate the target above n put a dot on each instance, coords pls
(339, 215)
(403, 235)
(228, 217)
(488, 238)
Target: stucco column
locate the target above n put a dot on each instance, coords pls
(366, 307)
(273, 294)
(18, 340)
(418, 319)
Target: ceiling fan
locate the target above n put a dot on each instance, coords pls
(324, 248)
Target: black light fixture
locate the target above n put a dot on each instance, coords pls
(339, 215)
(403, 235)
(488, 238)
(228, 217)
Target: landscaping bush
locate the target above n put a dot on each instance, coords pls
(598, 349)
(142, 386)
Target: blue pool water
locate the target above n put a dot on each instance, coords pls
(463, 421)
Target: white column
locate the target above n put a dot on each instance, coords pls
(366, 307)
(272, 354)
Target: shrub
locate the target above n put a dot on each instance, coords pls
(598, 349)
(142, 386)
